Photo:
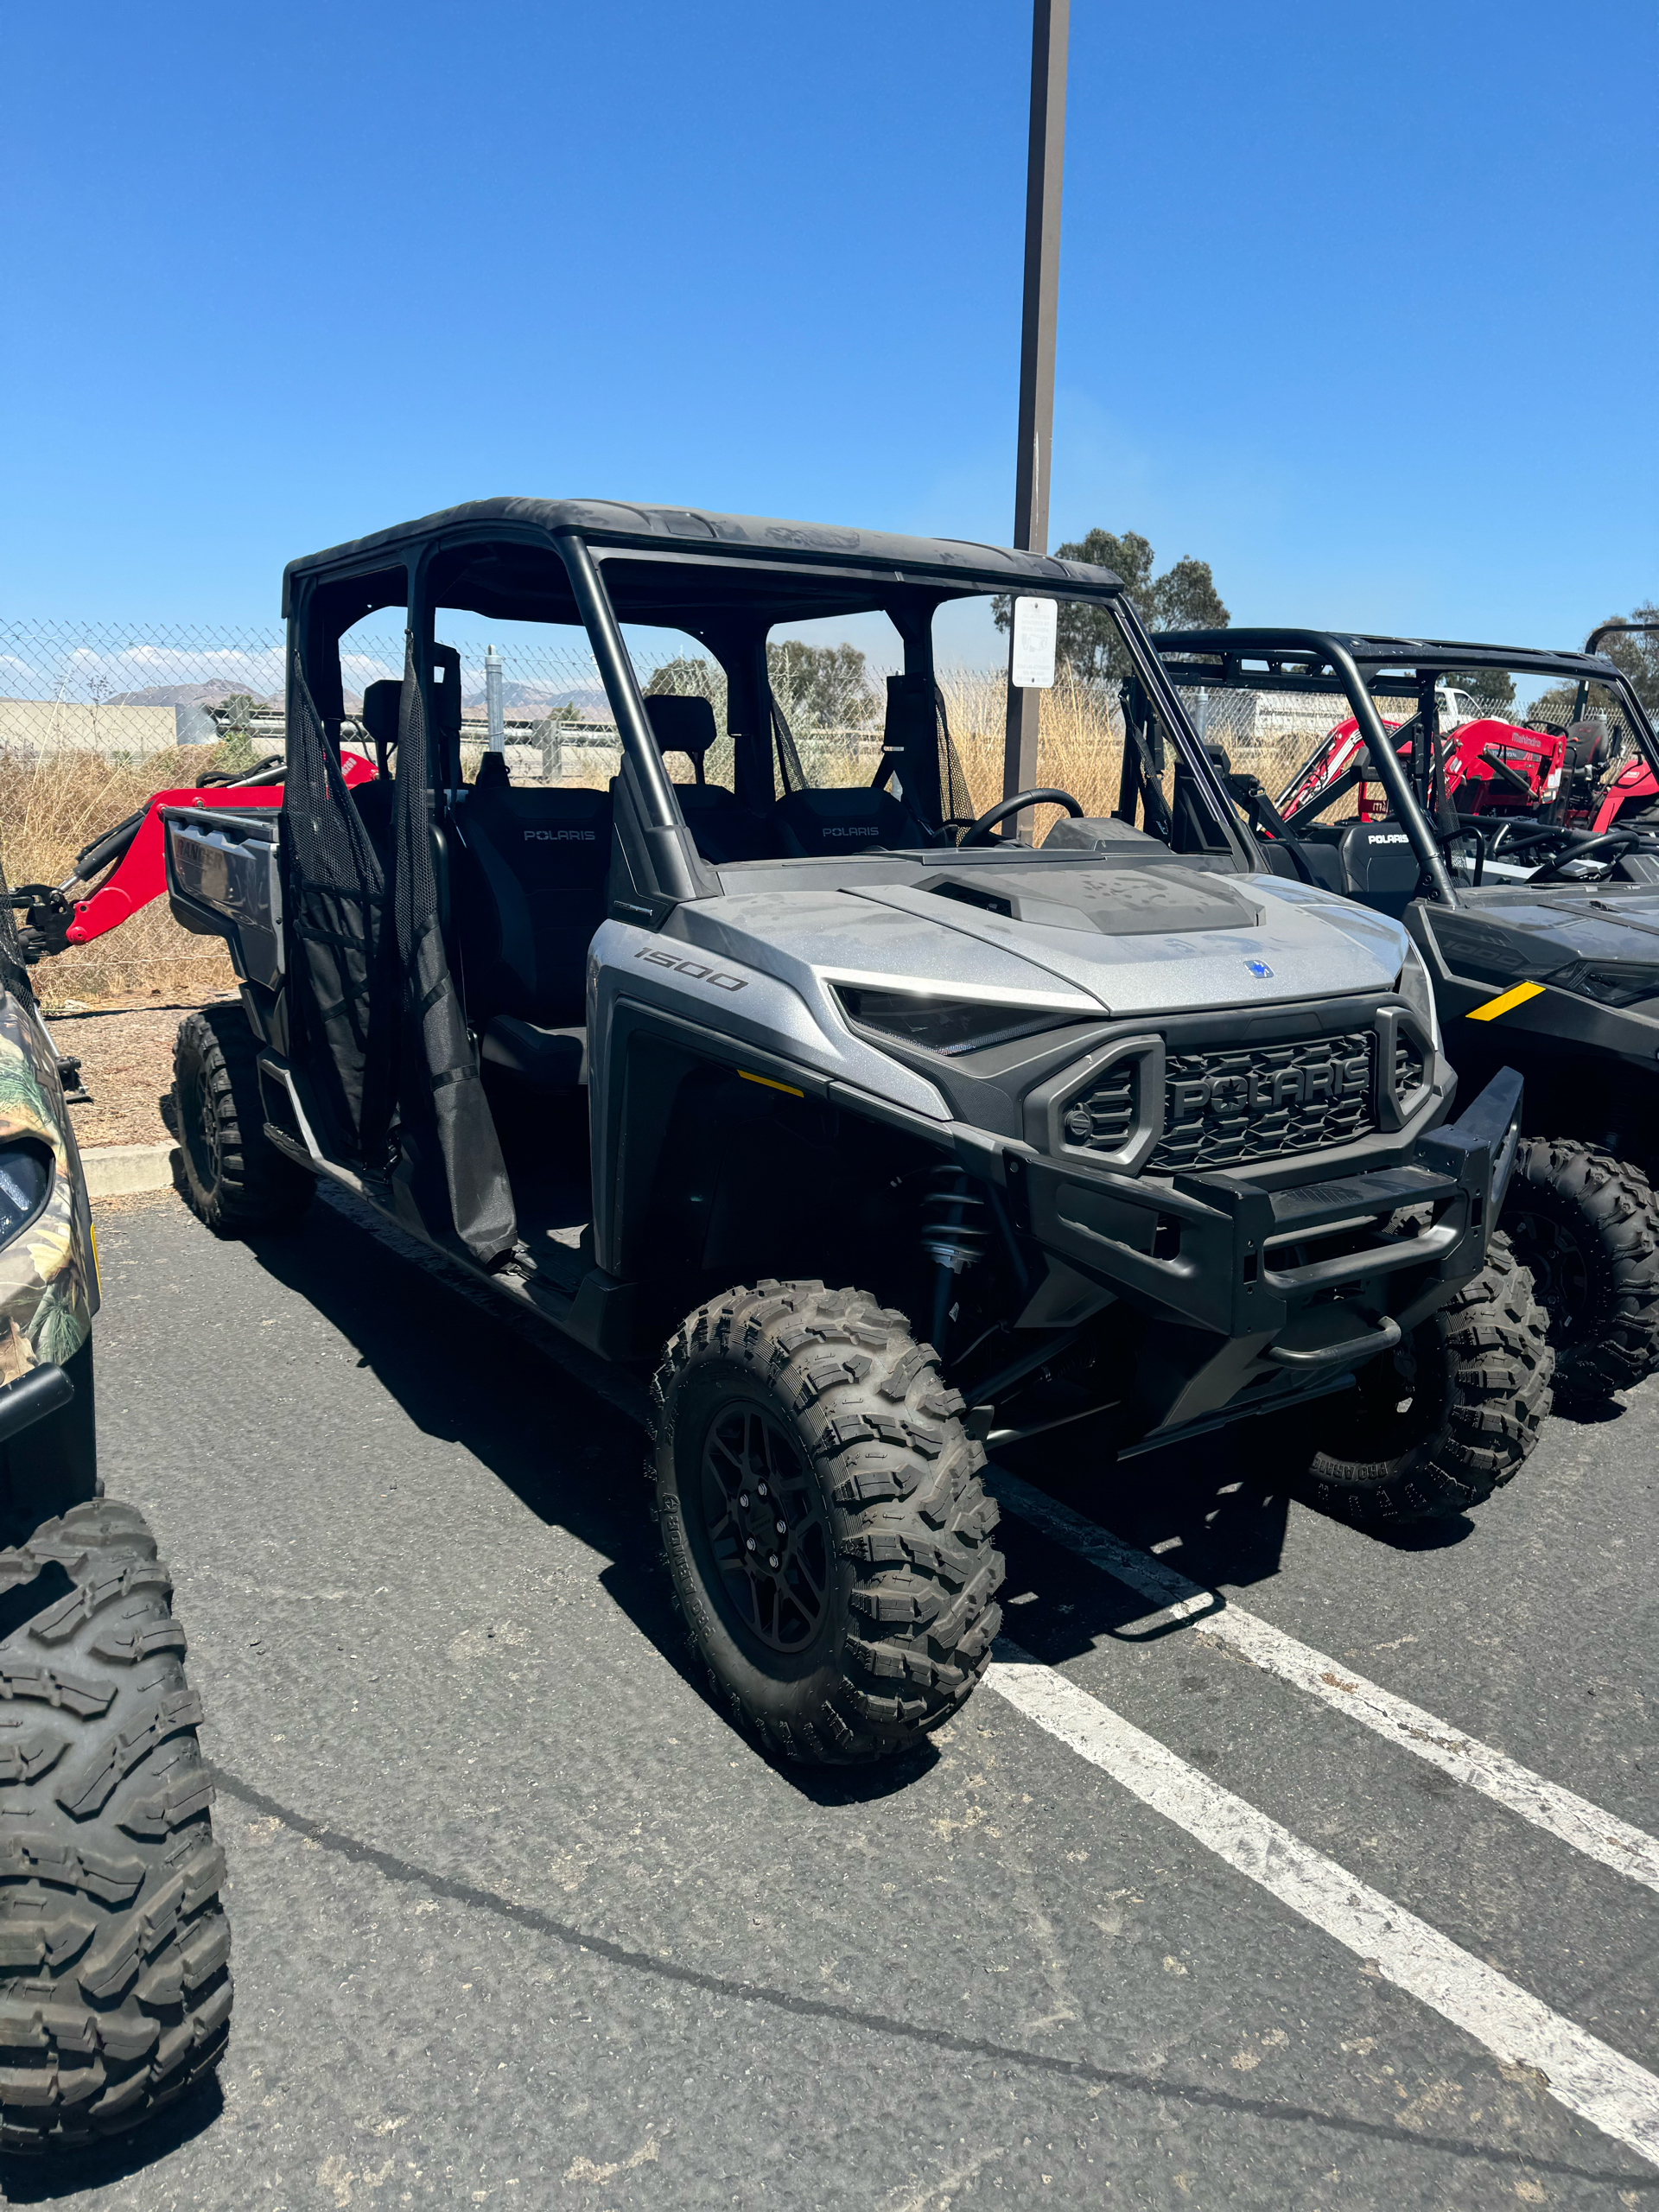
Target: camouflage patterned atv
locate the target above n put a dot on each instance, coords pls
(115, 1993)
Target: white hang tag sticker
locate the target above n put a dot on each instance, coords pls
(1032, 665)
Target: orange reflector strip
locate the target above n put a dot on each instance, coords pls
(770, 1085)
(1510, 1001)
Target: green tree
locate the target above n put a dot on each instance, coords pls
(1184, 598)
(1636, 655)
(822, 686)
(818, 687)
(1493, 687)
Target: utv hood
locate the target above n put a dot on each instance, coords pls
(1506, 935)
(1124, 940)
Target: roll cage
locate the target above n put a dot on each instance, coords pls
(1315, 661)
(727, 581)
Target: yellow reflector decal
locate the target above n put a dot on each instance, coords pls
(97, 1271)
(770, 1085)
(1510, 1001)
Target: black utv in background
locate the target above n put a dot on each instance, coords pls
(1540, 933)
(880, 1137)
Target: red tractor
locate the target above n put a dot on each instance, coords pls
(1489, 767)
(56, 916)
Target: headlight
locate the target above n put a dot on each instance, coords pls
(949, 1025)
(1610, 983)
(1413, 986)
(25, 1179)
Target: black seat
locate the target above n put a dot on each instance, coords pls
(722, 831)
(1378, 865)
(555, 1059)
(531, 895)
(849, 819)
(492, 772)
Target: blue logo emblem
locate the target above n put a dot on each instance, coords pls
(1258, 968)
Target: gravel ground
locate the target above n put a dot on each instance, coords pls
(126, 1063)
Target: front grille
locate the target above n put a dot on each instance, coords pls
(1102, 1117)
(1260, 1101)
(1407, 1071)
(1254, 1102)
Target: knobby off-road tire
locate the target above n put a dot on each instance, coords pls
(115, 1996)
(1433, 1428)
(1585, 1227)
(234, 1177)
(866, 1619)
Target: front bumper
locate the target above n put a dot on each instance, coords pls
(1298, 1284)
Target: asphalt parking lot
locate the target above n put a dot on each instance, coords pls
(1190, 1907)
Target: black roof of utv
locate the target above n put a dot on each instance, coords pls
(873, 557)
(1228, 647)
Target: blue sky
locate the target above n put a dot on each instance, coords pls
(1360, 305)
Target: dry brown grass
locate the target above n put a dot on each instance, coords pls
(1080, 745)
(53, 806)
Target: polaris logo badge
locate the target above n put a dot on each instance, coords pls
(1259, 967)
(860, 830)
(1269, 1090)
(1388, 837)
(560, 837)
(694, 969)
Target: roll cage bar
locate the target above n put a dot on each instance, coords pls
(1305, 660)
(725, 580)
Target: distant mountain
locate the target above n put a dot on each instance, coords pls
(181, 695)
(520, 700)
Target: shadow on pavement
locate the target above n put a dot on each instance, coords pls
(476, 1375)
(471, 1373)
(41, 2181)
(1215, 1508)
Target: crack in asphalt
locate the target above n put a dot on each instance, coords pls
(358, 1854)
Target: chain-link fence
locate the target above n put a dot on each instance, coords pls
(95, 717)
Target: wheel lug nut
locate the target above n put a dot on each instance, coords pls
(760, 1488)
(751, 1543)
(743, 1499)
(782, 1527)
(771, 1559)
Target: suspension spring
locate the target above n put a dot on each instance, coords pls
(955, 1232)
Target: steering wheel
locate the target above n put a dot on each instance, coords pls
(1622, 840)
(1046, 796)
(1511, 837)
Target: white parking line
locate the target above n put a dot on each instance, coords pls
(1587, 2075)
(1571, 1819)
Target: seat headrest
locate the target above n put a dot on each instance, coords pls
(1588, 743)
(381, 703)
(492, 769)
(681, 723)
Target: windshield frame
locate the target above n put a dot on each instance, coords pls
(897, 591)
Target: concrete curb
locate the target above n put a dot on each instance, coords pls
(115, 1170)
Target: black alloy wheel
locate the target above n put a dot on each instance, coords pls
(1557, 1265)
(763, 1518)
(824, 1523)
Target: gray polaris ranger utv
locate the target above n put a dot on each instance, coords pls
(883, 1137)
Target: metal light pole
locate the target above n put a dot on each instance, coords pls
(1049, 27)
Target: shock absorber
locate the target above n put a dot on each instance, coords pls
(954, 1235)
